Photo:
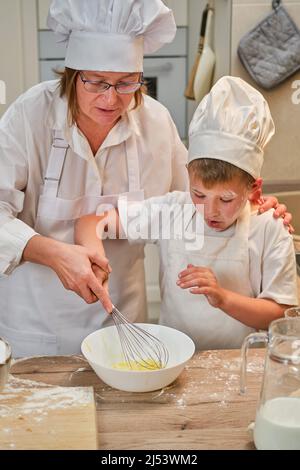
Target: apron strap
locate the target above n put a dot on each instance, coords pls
(55, 165)
(133, 167)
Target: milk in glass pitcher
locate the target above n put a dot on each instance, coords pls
(277, 424)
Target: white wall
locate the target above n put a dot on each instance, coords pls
(43, 8)
(18, 47)
(282, 159)
(11, 64)
(180, 10)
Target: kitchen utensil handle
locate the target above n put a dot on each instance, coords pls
(208, 30)
(189, 91)
(248, 341)
(276, 4)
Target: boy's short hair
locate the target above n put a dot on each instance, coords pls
(212, 171)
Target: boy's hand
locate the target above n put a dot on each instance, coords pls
(202, 281)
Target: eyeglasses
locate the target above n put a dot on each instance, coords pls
(123, 88)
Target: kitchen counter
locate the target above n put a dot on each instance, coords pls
(201, 410)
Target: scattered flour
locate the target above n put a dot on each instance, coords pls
(222, 376)
(77, 371)
(35, 397)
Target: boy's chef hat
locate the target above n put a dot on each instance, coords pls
(111, 35)
(232, 123)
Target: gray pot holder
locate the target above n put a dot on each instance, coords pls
(271, 51)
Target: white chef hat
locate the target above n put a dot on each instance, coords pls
(111, 35)
(232, 123)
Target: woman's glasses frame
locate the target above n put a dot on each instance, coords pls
(100, 86)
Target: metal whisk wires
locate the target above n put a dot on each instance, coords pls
(139, 347)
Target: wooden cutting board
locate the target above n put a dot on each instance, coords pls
(37, 416)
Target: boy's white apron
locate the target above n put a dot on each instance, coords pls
(209, 327)
(39, 316)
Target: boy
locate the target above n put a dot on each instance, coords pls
(243, 276)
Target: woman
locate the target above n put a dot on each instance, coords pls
(67, 147)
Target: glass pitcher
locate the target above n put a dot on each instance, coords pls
(5, 359)
(277, 424)
(292, 312)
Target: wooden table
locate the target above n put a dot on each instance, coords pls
(201, 410)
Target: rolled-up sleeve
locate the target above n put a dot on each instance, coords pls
(14, 234)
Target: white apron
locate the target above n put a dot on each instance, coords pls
(38, 315)
(209, 327)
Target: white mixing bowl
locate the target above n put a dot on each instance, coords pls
(102, 349)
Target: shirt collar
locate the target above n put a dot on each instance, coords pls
(123, 129)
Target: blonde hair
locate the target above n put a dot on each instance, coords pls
(212, 171)
(67, 86)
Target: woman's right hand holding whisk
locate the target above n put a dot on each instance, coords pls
(103, 277)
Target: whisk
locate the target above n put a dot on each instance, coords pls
(139, 347)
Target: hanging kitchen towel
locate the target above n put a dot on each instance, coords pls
(271, 51)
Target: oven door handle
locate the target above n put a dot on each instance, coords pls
(158, 69)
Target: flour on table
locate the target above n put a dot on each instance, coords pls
(223, 376)
(35, 397)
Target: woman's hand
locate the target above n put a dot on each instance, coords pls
(271, 202)
(84, 272)
(202, 281)
(75, 267)
(102, 277)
